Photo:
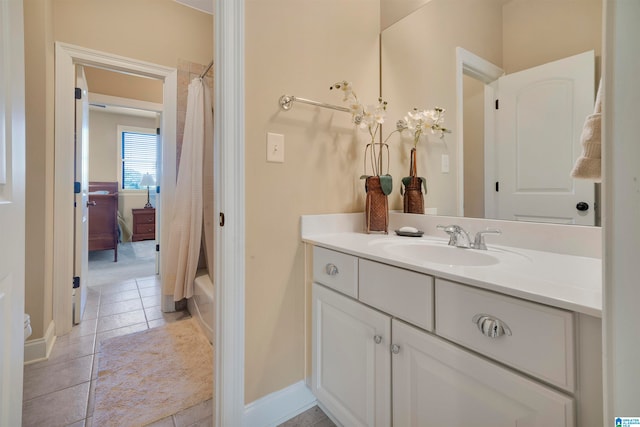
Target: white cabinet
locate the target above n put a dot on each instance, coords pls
(398, 349)
(438, 384)
(351, 359)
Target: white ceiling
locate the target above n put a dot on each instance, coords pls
(201, 5)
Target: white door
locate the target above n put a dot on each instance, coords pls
(81, 211)
(351, 359)
(12, 212)
(438, 384)
(539, 123)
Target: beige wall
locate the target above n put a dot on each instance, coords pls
(418, 70)
(297, 47)
(473, 135)
(39, 139)
(123, 85)
(391, 11)
(541, 31)
(157, 31)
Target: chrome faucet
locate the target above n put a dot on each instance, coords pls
(458, 237)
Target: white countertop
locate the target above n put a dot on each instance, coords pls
(565, 281)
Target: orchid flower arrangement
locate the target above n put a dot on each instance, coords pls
(368, 118)
(422, 121)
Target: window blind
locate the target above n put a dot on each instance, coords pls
(138, 158)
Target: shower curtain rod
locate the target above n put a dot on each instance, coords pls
(286, 102)
(207, 70)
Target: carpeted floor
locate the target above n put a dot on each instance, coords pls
(135, 259)
(150, 375)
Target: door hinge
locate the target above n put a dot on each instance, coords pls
(76, 282)
(78, 93)
(157, 189)
(76, 187)
(497, 104)
(157, 248)
(157, 131)
(221, 219)
(497, 186)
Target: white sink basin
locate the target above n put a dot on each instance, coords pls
(422, 251)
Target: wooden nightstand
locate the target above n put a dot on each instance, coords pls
(144, 224)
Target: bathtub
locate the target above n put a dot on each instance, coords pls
(201, 305)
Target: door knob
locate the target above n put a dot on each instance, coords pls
(582, 206)
(91, 203)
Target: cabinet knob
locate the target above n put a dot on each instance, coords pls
(395, 349)
(377, 339)
(331, 269)
(490, 326)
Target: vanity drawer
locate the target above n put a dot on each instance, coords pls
(401, 293)
(541, 341)
(336, 270)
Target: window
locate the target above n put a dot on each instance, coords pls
(138, 156)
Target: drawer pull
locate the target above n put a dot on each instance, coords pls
(331, 269)
(395, 348)
(490, 326)
(377, 339)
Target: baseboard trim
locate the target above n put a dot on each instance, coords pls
(40, 348)
(278, 407)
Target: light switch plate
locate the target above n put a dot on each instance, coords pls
(275, 148)
(445, 163)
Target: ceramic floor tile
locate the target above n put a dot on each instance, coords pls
(66, 348)
(310, 417)
(194, 414)
(89, 422)
(120, 307)
(47, 379)
(129, 285)
(77, 424)
(86, 327)
(148, 282)
(119, 332)
(120, 320)
(92, 395)
(91, 311)
(148, 292)
(46, 410)
(119, 296)
(152, 301)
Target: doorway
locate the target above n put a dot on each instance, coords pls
(67, 58)
(124, 123)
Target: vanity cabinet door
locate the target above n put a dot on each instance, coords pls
(351, 359)
(438, 384)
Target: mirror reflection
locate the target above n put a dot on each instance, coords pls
(540, 58)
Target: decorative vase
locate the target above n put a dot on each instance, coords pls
(377, 205)
(413, 197)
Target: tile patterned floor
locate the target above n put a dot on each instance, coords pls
(313, 417)
(60, 390)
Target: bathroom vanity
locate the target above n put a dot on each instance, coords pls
(413, 332)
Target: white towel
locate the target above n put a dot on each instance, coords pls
(588, 165)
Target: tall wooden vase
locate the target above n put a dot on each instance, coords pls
(413, 198)
(376, 207)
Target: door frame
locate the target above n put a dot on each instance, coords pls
(229, 198)
(472, 65)
(67, 56)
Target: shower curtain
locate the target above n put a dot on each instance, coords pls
(185, 232)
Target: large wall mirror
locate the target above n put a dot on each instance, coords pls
(450, 53)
